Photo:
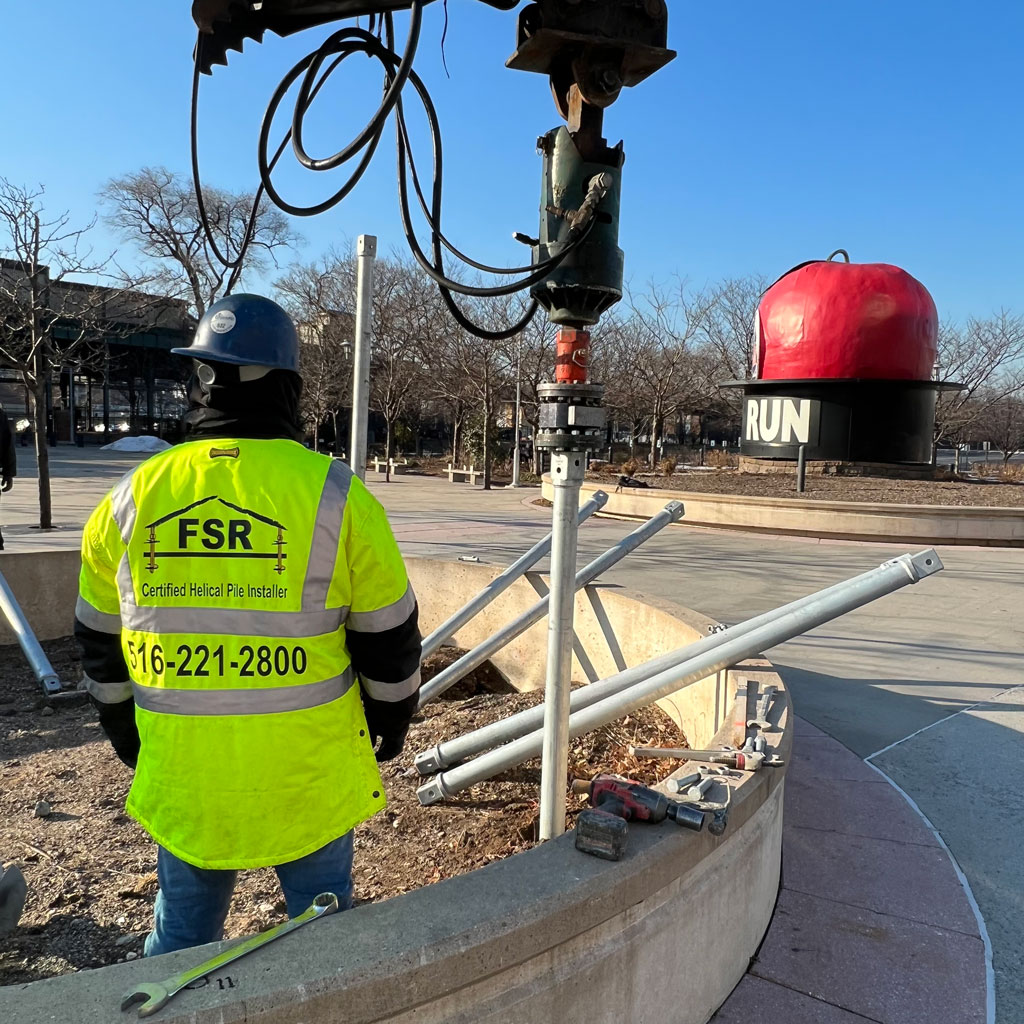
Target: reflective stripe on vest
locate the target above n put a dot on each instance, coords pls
(122, 506)
(382, 619)
(326, 537)
(391, 692)
(269, 701)
(102, 622)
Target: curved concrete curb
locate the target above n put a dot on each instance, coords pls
(546, 935)
(837, 520)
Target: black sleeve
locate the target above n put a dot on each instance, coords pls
(391, 657)
(104, 665)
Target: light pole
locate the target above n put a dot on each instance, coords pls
(366, 253)
(519, 408)
(71, 402)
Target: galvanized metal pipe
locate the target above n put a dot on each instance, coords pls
(461, 748)
(567, 472)
(37, 659)
(366, 253)
(671, 513)
(500, 584)
(862, 590)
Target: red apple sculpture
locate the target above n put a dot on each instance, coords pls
(832, 320)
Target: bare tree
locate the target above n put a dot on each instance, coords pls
(728, 332)
(156, 211)
(625, 396)
(1002, 423)
(320, 294)
(326, 361)
(464, 371)
(403, 301)
(319, 297)
(531, 358)
(444, 376)
(47, 320)
(660, 340)
(987, 357)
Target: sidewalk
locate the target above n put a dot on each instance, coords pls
(872, 923)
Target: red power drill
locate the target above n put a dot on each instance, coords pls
(601, 830)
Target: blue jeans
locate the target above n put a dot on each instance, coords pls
(192, 902)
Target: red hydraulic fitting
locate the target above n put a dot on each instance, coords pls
(572, 356)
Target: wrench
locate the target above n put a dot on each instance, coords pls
(156, 994)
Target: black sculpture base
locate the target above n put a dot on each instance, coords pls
(847, 420)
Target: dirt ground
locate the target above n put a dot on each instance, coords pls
(989, 492)
(91, 870)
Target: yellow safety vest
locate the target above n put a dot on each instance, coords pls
(230, 568)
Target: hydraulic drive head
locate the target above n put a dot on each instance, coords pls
(589, 280)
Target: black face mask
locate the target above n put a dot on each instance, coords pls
(229, 407)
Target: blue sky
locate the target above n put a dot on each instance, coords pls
(891, 128)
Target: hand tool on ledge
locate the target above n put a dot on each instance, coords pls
(156, 994)
(745, 760)
(601, 829)
(764, 703)
(694, 789)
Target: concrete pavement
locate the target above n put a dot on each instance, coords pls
(942, 656)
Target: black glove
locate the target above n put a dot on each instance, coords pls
(392, 741)
(118, 722)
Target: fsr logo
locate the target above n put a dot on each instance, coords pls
(200, 530)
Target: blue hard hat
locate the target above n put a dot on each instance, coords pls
(245, 330)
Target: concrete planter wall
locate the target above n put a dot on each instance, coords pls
(547, 935)
(840, 520)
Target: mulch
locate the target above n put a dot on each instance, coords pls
(991, 492)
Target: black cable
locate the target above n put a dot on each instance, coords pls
(483, 332)
(551, 261)
(398, 72)
(434, 269)
(345, 43)
(350, 46)
(247, 238)
(391, 96)
(196, 183)
(434, 217)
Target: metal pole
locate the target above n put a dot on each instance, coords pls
(801, 468)
(461, 748)
(37, 659)
(519, 409)
(567, 472)
(71, 402)
(884, 580)
(366, 253)
(501, 583)
(672, 512)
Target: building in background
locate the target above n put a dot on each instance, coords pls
(119, 376)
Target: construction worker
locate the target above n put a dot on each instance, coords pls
(248, 634)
